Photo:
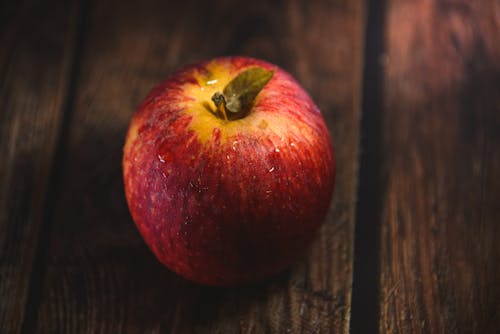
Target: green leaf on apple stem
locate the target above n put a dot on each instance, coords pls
(244, 88)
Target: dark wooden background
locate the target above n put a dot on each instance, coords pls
(409, 89)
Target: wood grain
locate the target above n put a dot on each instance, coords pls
(441, 141)
(35, 57)
(100, 275)
(71, 259)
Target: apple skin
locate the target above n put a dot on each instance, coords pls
(227, 202)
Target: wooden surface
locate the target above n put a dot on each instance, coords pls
(440, 255)
(35, 71)
(409, 89)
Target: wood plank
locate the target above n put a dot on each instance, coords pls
(441, 141)
(100, 276)
(35, 57)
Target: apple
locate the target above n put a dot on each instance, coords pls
(228, 169)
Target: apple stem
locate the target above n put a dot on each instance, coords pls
(220, 102)
(237, 98)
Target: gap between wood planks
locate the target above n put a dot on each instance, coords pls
(366, 270)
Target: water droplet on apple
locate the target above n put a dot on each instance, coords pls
(212, 82)
(292, 144)
(164, 155)
(216, 134)
(271, 169)
(277, 150)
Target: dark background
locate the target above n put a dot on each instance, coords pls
(410, 91)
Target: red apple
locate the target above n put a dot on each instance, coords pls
(229, 170)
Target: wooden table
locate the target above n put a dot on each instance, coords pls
(410, 91)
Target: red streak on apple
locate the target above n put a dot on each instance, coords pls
(227, 202)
